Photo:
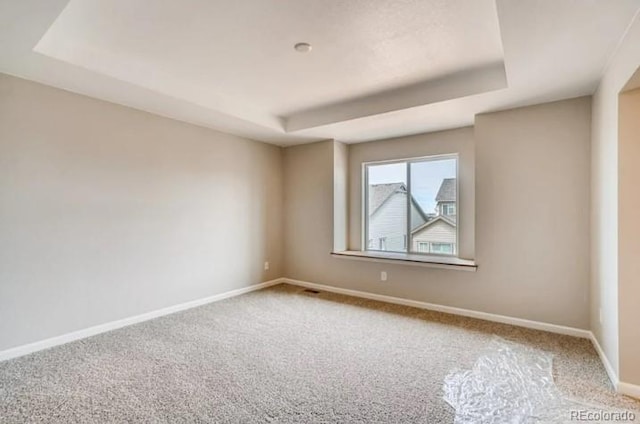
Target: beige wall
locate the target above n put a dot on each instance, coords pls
(107, 212)
(604, 194)
(308, 208)
(532, 208)
(340, 196)
(629, 236)
(531, 215)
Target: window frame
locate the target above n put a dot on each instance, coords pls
(408, 162)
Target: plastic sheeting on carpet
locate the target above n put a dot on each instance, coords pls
(510, 383)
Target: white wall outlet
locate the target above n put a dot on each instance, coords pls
(383, 276)
(266, 266)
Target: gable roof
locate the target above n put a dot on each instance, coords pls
(379, 193)
(447, 192)
(433, 221)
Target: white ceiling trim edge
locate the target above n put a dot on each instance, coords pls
(460, 84)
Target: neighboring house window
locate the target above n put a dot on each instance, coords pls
(410, 205)
(448, 209)
(423, 246)
(442, 248)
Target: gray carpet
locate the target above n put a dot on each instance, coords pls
(279, 355)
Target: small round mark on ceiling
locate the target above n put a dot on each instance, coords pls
(303, 47)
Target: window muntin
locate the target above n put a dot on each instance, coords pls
(412, 204)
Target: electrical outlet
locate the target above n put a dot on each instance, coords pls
(383, 276)
(266, 266)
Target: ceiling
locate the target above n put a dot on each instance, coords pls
(378, 68)
(633, 83)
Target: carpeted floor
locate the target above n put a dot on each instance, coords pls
(280, 355)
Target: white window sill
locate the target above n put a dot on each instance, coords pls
(445, 262)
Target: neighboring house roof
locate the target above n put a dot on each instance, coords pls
(447, 192)
(380, 193)
(444, 219)
(419, 209)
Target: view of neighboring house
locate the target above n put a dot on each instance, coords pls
(430, 233)
(438, 235)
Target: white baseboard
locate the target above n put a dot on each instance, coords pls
(519, 322)
(621, 387)
(113, 325)
(629, 389)
(613, 375)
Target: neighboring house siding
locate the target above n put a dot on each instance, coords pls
(390, 222)
(439, 232)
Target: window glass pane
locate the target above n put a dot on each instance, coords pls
(387, 207)
(434, 199)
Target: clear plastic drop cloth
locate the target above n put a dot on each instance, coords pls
(512, 383)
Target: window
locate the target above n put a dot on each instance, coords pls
(448, 209)
(423, 246)
(442, 248)
(410, 205)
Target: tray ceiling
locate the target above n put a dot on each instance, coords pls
(376, 69)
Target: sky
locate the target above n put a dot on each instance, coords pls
(426, 178)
